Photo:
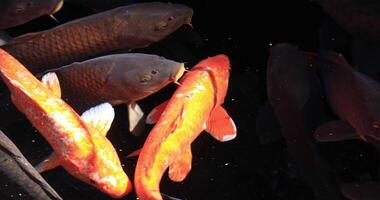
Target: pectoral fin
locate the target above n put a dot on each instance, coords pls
(49, 163)
(25, 37)
(136, 119)
(134, 153)
(155, 114)
(220, 125)
(335, 131)
(51, 81)
(181, 166)
(99, 117)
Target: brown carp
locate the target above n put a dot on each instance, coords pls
(116, 78)
(128, 27)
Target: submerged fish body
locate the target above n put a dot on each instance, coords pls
(293, 91)
(17, 12)
(79, 143)
(128, 27)
(354, 97)
(18, 176)
(195, 106)
(360, 18)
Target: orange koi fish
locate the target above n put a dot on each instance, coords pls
(195, 106)
(79, 143)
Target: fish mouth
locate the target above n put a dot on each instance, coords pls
(189, 17)
(57, 8)
(178, 73)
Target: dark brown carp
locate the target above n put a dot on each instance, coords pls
(354, 97)
(18, 178)
(117, 78)
(294, 92)
(17, 12)
(128, 27)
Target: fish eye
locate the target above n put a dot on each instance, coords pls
(20, 8)
(154, 71)
(376, 125)
(145, 78)
(161, 26)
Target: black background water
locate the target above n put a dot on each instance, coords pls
(240, 169)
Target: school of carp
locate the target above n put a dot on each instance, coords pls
(67, 80)
(66, 83)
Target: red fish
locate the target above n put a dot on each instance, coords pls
(194, 107)
(79, 143)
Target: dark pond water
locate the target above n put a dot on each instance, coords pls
(244, 168)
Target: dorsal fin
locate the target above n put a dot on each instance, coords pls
(25, 38)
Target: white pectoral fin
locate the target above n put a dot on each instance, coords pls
(136, 119)
(49, 163)
(220, 125)
(99, 117)
(50, 80)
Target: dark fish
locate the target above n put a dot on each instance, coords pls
(293, 91)
(354, 97)
(361, 191)
(117, 78)
(128, 27)
(18, 178)
(360, 18)
(17, 12)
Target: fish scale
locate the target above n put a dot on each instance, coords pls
(63, 46)
(122, 28)
(92, 84)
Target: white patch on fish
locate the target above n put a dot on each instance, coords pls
(228, 137)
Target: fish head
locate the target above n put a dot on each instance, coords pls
(289, 76)
(143, 75)
(115, 185)
(20, 11)
(219, 69)
(154, 21)
(106, 172)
